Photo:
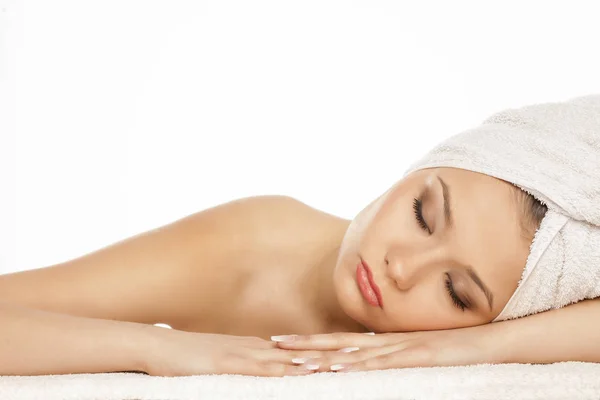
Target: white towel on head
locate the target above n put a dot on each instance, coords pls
(552, 151)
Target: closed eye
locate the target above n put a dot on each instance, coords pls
(418, 209)
(453, 296)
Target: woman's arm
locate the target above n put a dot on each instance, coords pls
(35, 342)
(571, 333)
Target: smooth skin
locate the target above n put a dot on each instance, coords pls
(35, 342)
(228, 278)
(567, 334)
(199, 274)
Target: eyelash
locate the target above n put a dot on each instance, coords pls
(455, 299)
(418, 208)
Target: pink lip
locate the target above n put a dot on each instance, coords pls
(367, 285)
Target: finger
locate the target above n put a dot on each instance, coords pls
(280, 369)
(334, 341)
(242, 365)
(409, 357)
(286, 356)
(245, 341)
(336, 361)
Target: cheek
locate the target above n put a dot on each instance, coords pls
(366, 216)
(388, 216)
(421, 308)
(413, 313)
(394, 223)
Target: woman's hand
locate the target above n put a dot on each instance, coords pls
(362, 352)
(179, 353)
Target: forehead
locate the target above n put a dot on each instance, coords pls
(487, 232)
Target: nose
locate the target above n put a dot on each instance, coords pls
(403, 270)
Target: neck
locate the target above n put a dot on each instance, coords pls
(320, 292)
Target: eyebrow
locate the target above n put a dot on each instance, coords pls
(450, 221)
(447, 209)
(488, 294)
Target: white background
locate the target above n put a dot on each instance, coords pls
(117, 117)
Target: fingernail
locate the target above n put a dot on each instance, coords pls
(369, 333)
(348, 349)
(283, 338)
(311, 366)
(302, 360)
(338, 367)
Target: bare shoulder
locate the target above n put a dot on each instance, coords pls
(238, 242)
(189, 267)
(253, 230)
(259, 217)
(230, 244)
(257, 209)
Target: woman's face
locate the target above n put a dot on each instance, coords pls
(444, 247)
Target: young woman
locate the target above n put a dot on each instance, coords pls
(426, 266)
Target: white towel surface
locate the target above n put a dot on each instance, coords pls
(551, 150)
(572, 380)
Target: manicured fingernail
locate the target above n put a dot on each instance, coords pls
(348, 349)
(311, 366)
(302, 360)
(284, 338)
(338, 367)
(369, 333)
